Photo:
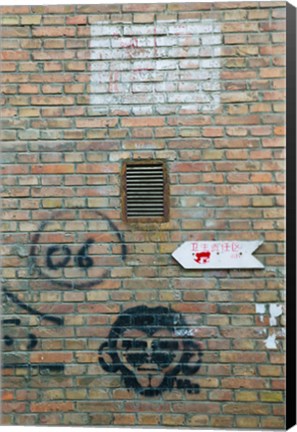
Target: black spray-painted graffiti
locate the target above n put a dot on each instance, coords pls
(49, 257)
(11, 341)
(75, 257)
(81, 260)
(152, 349)
(22, 305)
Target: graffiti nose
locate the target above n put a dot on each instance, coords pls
(149, 352)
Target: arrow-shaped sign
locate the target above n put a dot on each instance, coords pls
(229, 254)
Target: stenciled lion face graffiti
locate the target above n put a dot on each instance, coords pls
(151, 348)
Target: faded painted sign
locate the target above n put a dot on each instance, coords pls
(229, 254)
(155, 67)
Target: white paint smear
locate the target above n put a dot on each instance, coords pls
(275, 310)
(270, 342)
(184, 332)
(133, 64)
(260, 309)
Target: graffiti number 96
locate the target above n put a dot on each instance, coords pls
(82, 259)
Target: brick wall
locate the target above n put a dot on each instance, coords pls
(101, 325)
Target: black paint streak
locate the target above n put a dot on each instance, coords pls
(187, 385)
(33, 341)
(54, 367)
(51, 250)
(143, 346)
(82, 260)
(15, 321)
(14, 298)
(8, 340)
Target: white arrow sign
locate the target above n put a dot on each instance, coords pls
(229, 254)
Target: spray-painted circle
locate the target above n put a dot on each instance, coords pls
(75, 254)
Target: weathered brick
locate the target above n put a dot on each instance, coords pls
(271, 396)
(31, 20)
(247, 422)
(85, 87)
(173, 419)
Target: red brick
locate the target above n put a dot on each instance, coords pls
(247, 383)
(244, 408)
(97, 168)
(51, 406)
(97, 122)
(5, 10)
(13, 407)
(14, 55)
(196, 308)
(7, 395)
(142, 121)
(191, 167)
(203, 408)
(53, 32)
(213, 132)
(76, 20)
(53, 169)
(143, 7)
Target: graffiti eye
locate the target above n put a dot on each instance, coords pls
(163, 354)
(168, 345)
(138, 345)
(137, 359)
(162, 359)
(136, 354)
(134, 344)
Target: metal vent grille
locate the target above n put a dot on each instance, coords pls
(145, 191)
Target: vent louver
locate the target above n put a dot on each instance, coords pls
(145, 186)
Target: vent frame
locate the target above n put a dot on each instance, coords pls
(127, 169)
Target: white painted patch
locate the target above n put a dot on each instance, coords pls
(275, 310)
(262, 331)
(135, 65)
(270, 342)
(184, 332)
(260, 309)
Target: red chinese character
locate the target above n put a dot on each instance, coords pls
(215, 247)
(225, 247)
(235, 247)
(194, 247)
(204, 247)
